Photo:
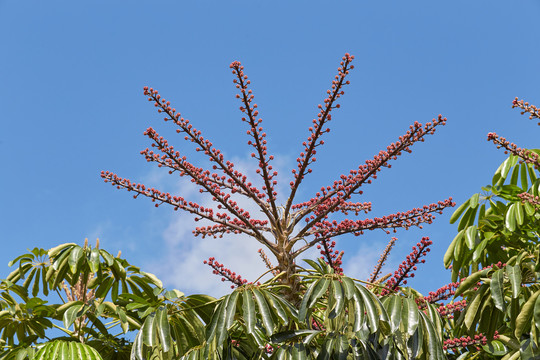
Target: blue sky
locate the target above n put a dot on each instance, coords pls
(71, 105)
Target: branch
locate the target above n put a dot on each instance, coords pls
(179, 202)
(414, 217)
(525, 155)
(531, 109)
(348, 185)
(260, 143)
(204, 145)
(199, 176)
(307, 157)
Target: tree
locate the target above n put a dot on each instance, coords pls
(311, 311)
(495, 257)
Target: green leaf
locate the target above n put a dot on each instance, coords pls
(292, 335)
(524, 183)
(459, 211)
(74, 257)
(474, 200)
(318, 291)
(231, 309)
(70, 315)
(66, 350)
(35, 287)
(520, 214)
(510, 218)
(57, 249)
(277, 305)
(495, 347)
(515, 175)
(358, 312)
(434, 348)
(410, 315)
(267, 320)
(28, 280)
(473, 306)
(94, 260)
(394, 309)
(337, 291)
(153, 279)
(370, 308)
(149, 331)
(537, 313)
(470, 281)
(529, 209)
(523, 320)
(478, 250)
(302, 314)
(248, 310)
(470, 236)
(514, 275)
(109, 259)
(450, 251)
(349, 287)
(163, 329)
(496, 288)
(44, 284)
(529, 350)
(468, 218)
(314, 265)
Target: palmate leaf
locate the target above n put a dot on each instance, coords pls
(66, 350)
(154, 339)
(25, 322)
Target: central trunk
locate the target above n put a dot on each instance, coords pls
(287, 265)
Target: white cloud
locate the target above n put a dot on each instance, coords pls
(360, 264)
(182, 267)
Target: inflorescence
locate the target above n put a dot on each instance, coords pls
(278, 228)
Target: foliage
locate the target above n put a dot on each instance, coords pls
(113, 310)
(495, 256)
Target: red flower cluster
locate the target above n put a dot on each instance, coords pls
(408, 266)
(279, 228)
(227, 275)
(530, 198)
(525, 155)
(526, 107)
(449, 309)
(331, 256)
(440, 294)
(464, 341)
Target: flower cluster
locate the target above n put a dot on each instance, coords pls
(527, 108)
(449, 309)
(530, 198)
(331, 256)
(382, 260)
(465, 341)
(319, 127)
(278, 228)
(250, 111)
(440, 294)
(267, 262)
(226, 274)
(525, 155)
(408, 266)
